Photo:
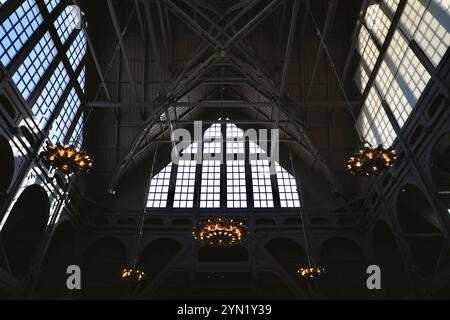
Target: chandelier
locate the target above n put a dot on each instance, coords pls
(131, 274)
(310, 272)
(66, 159)
(370, 161)
(220, 232)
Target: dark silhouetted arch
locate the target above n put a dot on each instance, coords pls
(415, 213)
(265, 222)
(345, 265)
(387, 256)
(222, 254)
(52, 279)
(126, 222)
(153, 221)
(270, 286)
(288, 253)
(101, 265)
(7, 168)
(7, 106)
(157, 254)
(421, 227)
(25, 227)
(182, 222)
(175, 286)
(440, 167)
(292, 221)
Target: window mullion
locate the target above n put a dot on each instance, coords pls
(173, 180)
(198, 174)
(223, 173)
(248, 175)
(273, 180)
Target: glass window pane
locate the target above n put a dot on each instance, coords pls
(262, 186)
(50, 95)
(34, 66)
(159, 188)
(236, 187)
(184, 180)
(17, 29)
(287, 187)
(65, 117)
(210, 184)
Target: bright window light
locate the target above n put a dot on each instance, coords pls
(210, 189)
(184, 186)
(17, 29)
(262, 186)
(287, 188)
(236, 190)
(159, 188)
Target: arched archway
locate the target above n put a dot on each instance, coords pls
(25, 227)
(288, 253)
(157, 254)
(222, 254)
(101, 265)
(415, 213)
(6, 104)
(440, 168)
(345, 265)
(421, 227)
(52, 279)
(7, 168)
(387, 256)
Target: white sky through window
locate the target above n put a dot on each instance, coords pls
(212, 184)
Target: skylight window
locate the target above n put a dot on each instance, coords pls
(77, 134)
(235, 139)
(51, 4)
(262, 186)
(159, 188)
(191, 149)
(77, 50)
(50, 95)
(287, 188)
(255, 149)
(212, 138)
(210, 190)
(65, 117)
(184, 186)
(82, 78)
(34, 66)
(224, 183)
(236, 190)
(402, 77)
(67, 21)
(17, 29)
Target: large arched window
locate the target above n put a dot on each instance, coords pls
(239, 181)
(30, 52)
(402, 77)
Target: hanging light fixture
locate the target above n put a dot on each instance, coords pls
(368, 161)
(371, 161)
(132, 273)
(310, 270)
(220, 232)
(66, 159)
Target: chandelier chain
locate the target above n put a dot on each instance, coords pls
(305, 238)
(141, 224)
(333, 67)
